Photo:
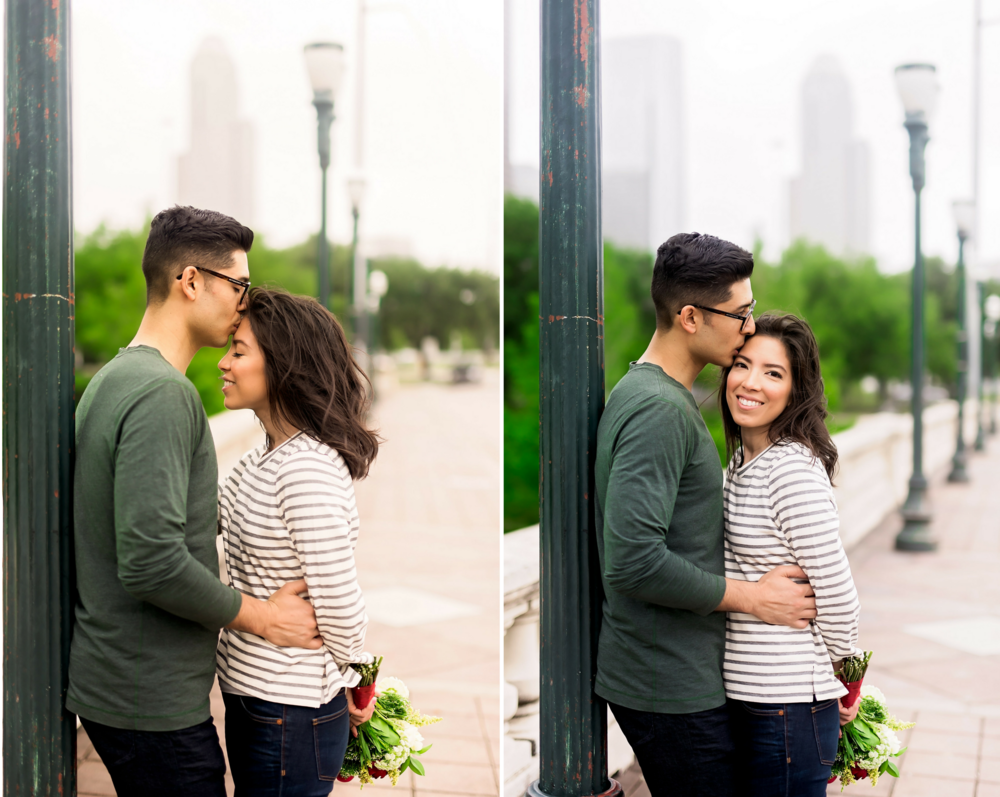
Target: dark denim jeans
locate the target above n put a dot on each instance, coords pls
(277, 750)
(786, 750)
(184, 763)
(682, 754)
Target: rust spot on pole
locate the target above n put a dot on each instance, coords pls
(583, 30)
(52, 43)
(580, 92)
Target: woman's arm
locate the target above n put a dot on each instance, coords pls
(314, 499)
(802, 501)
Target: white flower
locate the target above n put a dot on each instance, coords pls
(411, 736)
(394, 759)
(873, 691)
(393, 683)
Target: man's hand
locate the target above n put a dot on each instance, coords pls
(775, 599)
(359, 716)
(284, 619)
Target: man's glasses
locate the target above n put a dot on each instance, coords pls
(743, 318)
(244, 285)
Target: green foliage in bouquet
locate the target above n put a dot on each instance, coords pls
(369, 672)
(854, 668)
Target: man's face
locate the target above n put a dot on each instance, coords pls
(222, 302)
(720, 337)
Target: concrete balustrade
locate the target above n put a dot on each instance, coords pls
(875, 467)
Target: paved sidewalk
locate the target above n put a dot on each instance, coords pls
(933, 622)
(428, 561)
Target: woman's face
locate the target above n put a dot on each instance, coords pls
(760, 383)
(243, 383)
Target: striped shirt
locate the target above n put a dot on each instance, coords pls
(285, 515)
(780, 510)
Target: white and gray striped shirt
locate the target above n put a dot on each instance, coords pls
(780, 510)
(285, 515)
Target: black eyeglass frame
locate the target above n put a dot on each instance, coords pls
(743, 318)
(244, 285)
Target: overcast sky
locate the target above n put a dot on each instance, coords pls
(434, 116)
(744, 63)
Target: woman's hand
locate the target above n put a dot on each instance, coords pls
(848, 714)
(359, 716)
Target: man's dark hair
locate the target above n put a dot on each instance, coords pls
(692, 268)
(185, 236)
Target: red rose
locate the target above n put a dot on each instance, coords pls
(859, 773)
(377, 773)
(344, 779)
(831, 780)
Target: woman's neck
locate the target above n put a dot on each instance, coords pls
(754, 441)
(277, 433)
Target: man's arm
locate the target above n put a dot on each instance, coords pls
(775, 599)
(152, 470)
(650, 455)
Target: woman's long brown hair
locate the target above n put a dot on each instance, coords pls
(313, 381)
(803, 419)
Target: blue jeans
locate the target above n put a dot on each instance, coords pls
(786, 750)
(277, 750)
(184, 763)
(682, 754)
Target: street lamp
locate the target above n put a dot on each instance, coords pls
(965, 218)
(980, 444)
(918, 89)
(992, 310)
(325, 64)
(356, 190)
(378, 285)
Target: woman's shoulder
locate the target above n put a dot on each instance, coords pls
(305, 452)
(791, 457)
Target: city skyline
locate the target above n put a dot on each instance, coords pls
(433, 119)
(829, 198)
(744, 66)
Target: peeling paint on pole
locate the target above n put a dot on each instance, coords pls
(573, 720)
(39, 736)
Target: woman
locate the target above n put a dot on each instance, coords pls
(287, 512)
(780, 510)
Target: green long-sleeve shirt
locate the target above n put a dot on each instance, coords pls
(145, 511)
(660, 543)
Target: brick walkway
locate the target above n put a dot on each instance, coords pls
(952, 695)
(429, 563)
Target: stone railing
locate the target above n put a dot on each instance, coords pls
(875, 467)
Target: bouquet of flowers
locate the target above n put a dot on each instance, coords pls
(868, 742)
(389, 743)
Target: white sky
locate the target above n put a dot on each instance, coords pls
(744, 63)
(433, 124)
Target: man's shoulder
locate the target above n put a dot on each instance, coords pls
(141, 372)
(648, 391)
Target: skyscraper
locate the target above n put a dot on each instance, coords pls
(217, 172)
(642, 140)
(830, 199)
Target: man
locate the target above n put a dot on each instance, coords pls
(660, 530)
(151, 604)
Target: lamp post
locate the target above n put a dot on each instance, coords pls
(980, 444)
(917, 85)
(378, 285)
(992, 310)
(356, 190)
(965, 217)
(325, 64)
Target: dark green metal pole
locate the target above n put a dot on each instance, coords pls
(916, 511)
(39, 735)
(324, 113)
(980, 444)
(958, 462)
(573, 720)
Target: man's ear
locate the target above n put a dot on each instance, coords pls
(189, 282)
(688, 319)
